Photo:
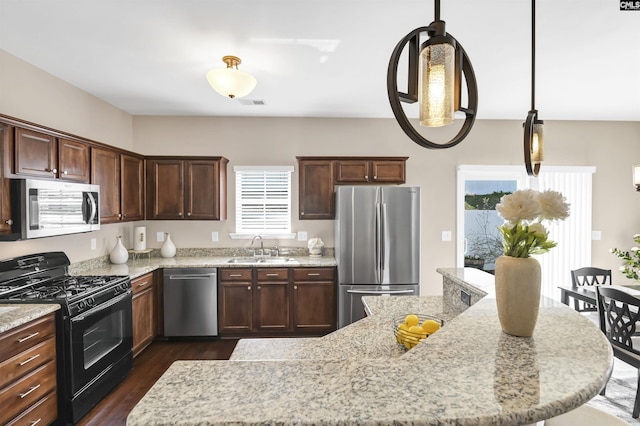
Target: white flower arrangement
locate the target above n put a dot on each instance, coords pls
(523, 211)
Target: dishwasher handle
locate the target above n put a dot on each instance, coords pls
(192, 276)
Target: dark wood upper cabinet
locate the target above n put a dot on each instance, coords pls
(132, 187)
(44, 156)
(318, 175)
(34, 154)
(315, 189)
(73, 160)
(5, 208)
(186, 188)
(120, 177)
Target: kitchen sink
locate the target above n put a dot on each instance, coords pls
(264, 260)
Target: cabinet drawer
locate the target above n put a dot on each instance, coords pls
(235, 274)
(314, 274)
(27, 391)
(273, 274)
(43, 412)
(26, 361)
(20, 339)
(142, 283)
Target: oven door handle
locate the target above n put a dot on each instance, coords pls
(101, 306)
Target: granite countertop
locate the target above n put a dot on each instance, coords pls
(468, 373)
(14, 315)
(141, 266)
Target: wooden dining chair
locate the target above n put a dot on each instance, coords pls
(619, 313)
(589, 276)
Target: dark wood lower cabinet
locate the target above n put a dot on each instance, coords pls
(143, 312)
(276, 302)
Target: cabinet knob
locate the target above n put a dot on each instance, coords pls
(249, 287)
(188, 213)
(302, 213)
(366, 176)
(258, 287)
(9, 222)
(295, 287)
(375, 177)
(54, 171)
(119, 215)
(64, 172)
(180, 214)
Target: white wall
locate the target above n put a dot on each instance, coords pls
(613, 147)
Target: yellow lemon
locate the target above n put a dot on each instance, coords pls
(403, 326)
(417, 331)
(430, 326)
(412, 319)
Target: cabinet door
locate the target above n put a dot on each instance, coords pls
(314, 300)
(235, 307)
(105, 171)
(201, 190)
(5, 208)
(165, 189)
(316, 199)
(352, 171)
(35, 154)
(132, 187)
(143, 312)
(392, 171)
(272, 306)
(73, 160)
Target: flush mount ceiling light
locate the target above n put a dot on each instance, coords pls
(230, 81)
(533, 131)
(434, 80)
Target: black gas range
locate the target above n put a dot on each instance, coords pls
(94, 325)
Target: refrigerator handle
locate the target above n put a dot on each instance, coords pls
(384, 238)
(378, 238)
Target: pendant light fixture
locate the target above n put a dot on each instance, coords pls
(636, 177)
(435, 72)
(230, 81)
(533, 127)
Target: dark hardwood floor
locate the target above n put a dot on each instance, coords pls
(147, 369)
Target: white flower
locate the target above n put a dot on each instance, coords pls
(553, 205)
(538, 229)
(635, 248)
(518, 206)
(622, 268)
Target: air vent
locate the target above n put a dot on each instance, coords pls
(252, 101)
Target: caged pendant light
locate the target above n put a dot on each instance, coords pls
(533, 127)
(435, 72)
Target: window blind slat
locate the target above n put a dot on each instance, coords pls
(263, 200)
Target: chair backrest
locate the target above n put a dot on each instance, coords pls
(590, 276)
(619, 314)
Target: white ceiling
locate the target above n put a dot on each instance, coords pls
(328, 58)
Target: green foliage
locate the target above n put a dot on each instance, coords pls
(483, 201)
(631, 266)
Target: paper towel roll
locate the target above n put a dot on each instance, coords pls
(140, 238)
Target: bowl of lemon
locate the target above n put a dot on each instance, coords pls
(414, 328)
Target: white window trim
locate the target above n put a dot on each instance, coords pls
(266, 235)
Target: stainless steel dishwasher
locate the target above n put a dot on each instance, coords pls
(190, 302)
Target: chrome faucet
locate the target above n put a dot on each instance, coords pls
(261, 244)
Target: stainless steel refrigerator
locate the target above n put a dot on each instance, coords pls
(377, 245)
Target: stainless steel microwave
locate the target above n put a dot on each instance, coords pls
(44, 208)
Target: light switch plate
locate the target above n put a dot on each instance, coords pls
(160, 236)
(93, 244)
(214, 236)
(302, 236)
(596, 235)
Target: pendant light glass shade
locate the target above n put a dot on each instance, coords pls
(537, 143)
(436, 85)
(636, 177)
(231, 81)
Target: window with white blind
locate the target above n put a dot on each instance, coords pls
(263, 200)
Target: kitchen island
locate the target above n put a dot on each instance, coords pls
(467, 373)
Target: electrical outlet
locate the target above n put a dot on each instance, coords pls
(446, 235)
(302, 236)
(160, 236)
(465, 297)
(214, 236)
(596, 235)
(93, 244)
